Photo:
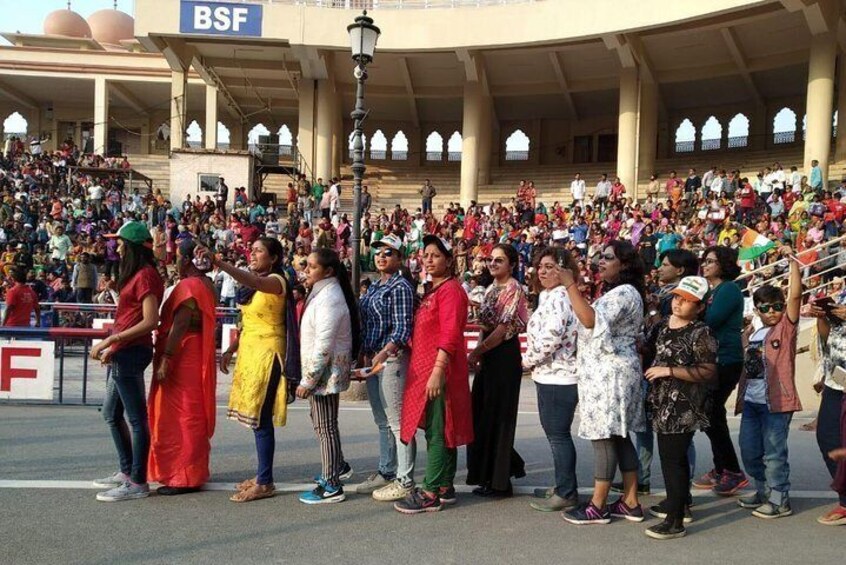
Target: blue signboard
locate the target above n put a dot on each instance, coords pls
(220, 18)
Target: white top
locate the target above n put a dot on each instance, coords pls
(326, 339)
(577, 189)
(551, 340)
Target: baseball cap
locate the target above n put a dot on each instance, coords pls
(135, 232)
(692, 288)
(440, 242)
(389, 240)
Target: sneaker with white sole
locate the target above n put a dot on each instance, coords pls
(372, 483)
(112, 480)
(346, 473)
(126, 491)
(769, 511)
(391, 492)
(324, 493)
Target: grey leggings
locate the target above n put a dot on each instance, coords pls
(608, 453)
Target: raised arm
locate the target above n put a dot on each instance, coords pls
(270, 284)
(794, 289)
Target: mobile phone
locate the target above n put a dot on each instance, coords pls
(826, 303)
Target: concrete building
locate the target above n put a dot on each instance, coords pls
(607, 85)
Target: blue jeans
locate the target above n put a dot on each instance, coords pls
(384, 391)
(556, 407)
(427, 205)
(125, 391)
(763, 448)
(264, 433)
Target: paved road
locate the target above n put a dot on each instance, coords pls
(68, 446)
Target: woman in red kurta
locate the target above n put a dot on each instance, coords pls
(437, 389)
(182, 395)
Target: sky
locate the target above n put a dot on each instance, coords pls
(27, 16)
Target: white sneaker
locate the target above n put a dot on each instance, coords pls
(126, 491)
(373, 483)
(112, 481)
(393, 491)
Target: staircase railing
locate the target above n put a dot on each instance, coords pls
(806, 268)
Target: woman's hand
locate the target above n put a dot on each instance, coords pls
(654, 373)
(839, 312)
(225, 360)
(811, 310)
(838, 454)
(475, 357)
(435, 384)
(303, 392)
(565, 277)
(204, 253)
(164, 369)
(101, 348)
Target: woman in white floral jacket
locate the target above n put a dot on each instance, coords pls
(329, 341)
(551, 356)
(610, 377)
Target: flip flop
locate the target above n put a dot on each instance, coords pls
(244, 485)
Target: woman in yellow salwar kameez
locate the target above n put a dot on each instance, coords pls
(258, 398)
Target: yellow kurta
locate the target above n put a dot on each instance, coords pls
(261, 342)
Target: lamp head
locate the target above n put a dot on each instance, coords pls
(363, 37)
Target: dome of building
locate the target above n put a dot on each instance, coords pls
(66, 22)
(111, 26)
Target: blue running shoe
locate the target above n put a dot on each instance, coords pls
(323, 493)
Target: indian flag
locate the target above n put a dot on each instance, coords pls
(753, 245)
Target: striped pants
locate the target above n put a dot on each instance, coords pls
(324, 418)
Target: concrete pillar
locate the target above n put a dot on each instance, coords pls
(338, 139)
(535, 143)
(760, 128)
(77, 134)
(146, 137)
(486, 141)
(820, 101)
(470, 133)
(305, 129)
(178, 109)
(648, 141)
(840, 146)
(237, 136)
(210, 131)
(627, 128)
(323, 139)
(101, 115)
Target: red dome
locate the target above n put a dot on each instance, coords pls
(66, 22)
(111, 26)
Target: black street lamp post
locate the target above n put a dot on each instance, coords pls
(363, 37)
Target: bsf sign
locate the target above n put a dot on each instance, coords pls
(220, 18)
(26, 370)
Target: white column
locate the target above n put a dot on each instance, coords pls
(627, 128)
(486, 141)
(820, 101)
(178, 109)
(210, 131)
(101, 115)
(648, 142)
(305, 133)
(323, 139)
(471, 128)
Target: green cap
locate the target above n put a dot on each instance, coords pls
(135, 232)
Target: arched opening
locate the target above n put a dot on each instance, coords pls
(685, 137)
(435, 147)
(784, 126)
(454, 147)
(378, 145)
(738, 132)
(399, 147)
(517, 146)
(351, 144)
(286, 141)
(804, 125)
(711, 134)
(254, 134)
(223, 136)
(15, 125)
(195, 134)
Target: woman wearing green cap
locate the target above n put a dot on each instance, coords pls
(129, 350)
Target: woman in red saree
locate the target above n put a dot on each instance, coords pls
(437, 388)
(182, 396)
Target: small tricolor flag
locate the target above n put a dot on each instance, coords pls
(753, 245)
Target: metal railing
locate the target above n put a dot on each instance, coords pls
(399, 155)
(685, 146)
(711, 144)
(378, 154)
(784, 137)
(806, 268)
(454, 156)
(434, 155)
(516, 155)
(738, 141)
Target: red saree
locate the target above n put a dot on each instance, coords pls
(182, 407)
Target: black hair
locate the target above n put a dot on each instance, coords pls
(18, 275)
(682, 259)
(136, 256)
(767, 294)
(511, 253)
(561, 256)
(632, 269)
(328, 259)
(275, 249)
(726, 259)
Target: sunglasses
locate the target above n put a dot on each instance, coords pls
(609, 256)
(385, 253)
(710, 261)
(498, 261)
(765, 308)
